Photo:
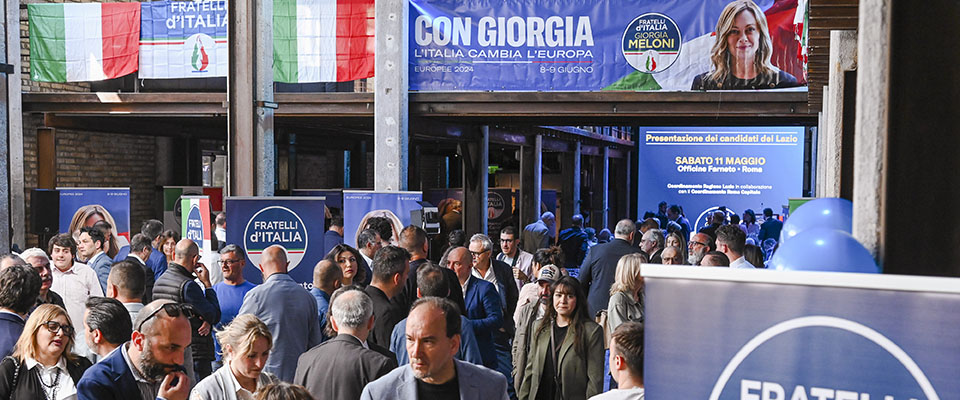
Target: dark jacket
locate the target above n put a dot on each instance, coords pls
(581, 375)
(109, 379)
(340, 367)
(386, 315)
(486, 315)
(52, 298)
(710, 230)
(599, 269)
(28, 381)
(408, 295)
(148, 281)
(770, 229)
(10, 328)
(521, 341)
(511, 294)
(177, 284)
(573, 241)
(330, 240)
(157, 261)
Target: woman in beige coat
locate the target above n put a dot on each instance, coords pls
(566, 354)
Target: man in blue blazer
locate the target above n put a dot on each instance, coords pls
(140, 370)
(90, 247)
(433, 337)
(19, 288)
(771, 227)
(482, 301)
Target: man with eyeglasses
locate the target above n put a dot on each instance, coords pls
(177, 284)
(699, 246)
(230, 292)
(511, 254)
(150, 365)
(498, 273)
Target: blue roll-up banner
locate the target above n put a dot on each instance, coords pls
(704, 168)
(360, 205)
(83, 207)
(756, 334)
(296, 223)
(588, 45)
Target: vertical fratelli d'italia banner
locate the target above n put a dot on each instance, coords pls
(588, 45)
(183, 39)
(73, 42)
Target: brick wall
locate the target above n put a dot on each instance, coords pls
(91, 159)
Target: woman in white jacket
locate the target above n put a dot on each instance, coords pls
(246, 344)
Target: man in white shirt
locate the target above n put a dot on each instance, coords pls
(74, 281)
(516, 258)
(730, 241)
(626, 362)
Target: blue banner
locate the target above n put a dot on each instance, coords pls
(753, 335)
(704, 168)
(183, 39)
(359, 206)
(83, 207)
(586, 45)
(296, 223)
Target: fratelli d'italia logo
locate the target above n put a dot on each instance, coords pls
(651, 43)
(200, 46)
(840, 360)
(276, 225)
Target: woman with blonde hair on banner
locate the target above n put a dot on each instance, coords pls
(742, 52)
(43, 365)
(246, 344)
(89, 215)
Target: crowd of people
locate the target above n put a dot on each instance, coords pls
(532, 317)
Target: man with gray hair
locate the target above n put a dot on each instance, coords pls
(538, 234)
(599, 268)
(38, 259)
(501, 276)
(652, 244)
(324, 370)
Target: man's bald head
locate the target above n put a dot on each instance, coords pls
(185, 253)
(327, 276)
(273, 260)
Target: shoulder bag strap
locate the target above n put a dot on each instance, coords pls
(16, 375)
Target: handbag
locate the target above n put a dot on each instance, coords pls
(16, 375)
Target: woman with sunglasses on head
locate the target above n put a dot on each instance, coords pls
(43, 365)
(566, 354)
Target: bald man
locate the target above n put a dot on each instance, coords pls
(177, 284)
(289, 311)
(327, 278)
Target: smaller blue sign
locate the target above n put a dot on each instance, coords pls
(194, 226)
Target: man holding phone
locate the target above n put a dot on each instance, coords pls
(177, 284)
(149, 366)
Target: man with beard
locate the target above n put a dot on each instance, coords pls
(433, 338)
(150, 365)
(698, 247)
(38, 259)
(530, 313)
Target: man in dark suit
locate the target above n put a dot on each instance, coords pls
(155, 350)
(414, 240)
(19, 288)
(500, 274)
(771, 227)
(718, 219)
(334, 235)
(140, 250)
(157, 262)
(390, 267)
(483, 304)
(573, 241)
(340, 367)
(599, 268)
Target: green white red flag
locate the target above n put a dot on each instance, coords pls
(72, 42)
(322, 40)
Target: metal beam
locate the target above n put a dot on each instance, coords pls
(391, 114)
(531, 181)
(13, 227)
(606, 187)
(475, 182)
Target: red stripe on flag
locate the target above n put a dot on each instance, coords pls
(121, 38)
(355, 41)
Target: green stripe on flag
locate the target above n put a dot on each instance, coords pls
(48, 52)
(635, 81)
(285, 41)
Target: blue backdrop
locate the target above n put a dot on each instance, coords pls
(296, 223)
(767, 337)
(115, 200)
(358, 205)
(701, 168)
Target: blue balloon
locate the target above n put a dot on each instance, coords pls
(830, 212)
(822, 249)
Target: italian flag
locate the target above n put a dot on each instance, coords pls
(322, 40)
(72, 42)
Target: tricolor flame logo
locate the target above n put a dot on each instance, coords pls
(200, 60)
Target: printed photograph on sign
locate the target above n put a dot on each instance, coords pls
(85, 207)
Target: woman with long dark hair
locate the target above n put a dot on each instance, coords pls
(348, 258)
(566, 355)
